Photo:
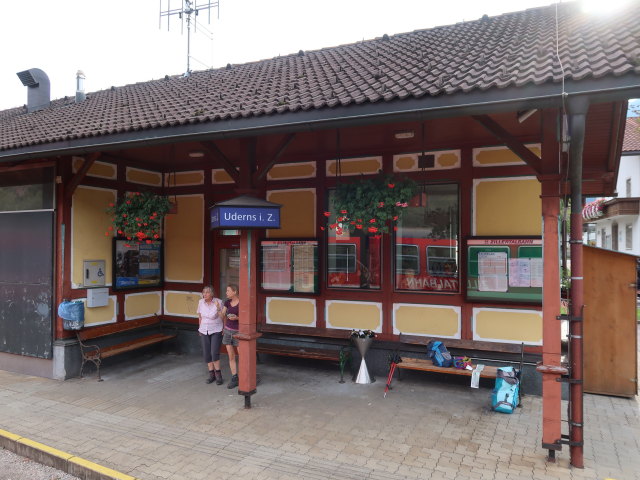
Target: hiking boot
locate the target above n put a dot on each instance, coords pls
(219, 380)
(212, 377)
(233, 383)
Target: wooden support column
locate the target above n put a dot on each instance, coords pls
(550, 367)
(551, 345)
(248, 316)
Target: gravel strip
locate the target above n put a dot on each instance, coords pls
(15, 467)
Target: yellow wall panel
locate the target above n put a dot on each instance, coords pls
(405, 163)
(443, 159)
(285, 171)
(98, 169)
(357, 315)
(432, 320)
(220, 176)
(291, 311)
(495, 156)
(297, 215)
(448, 160)
(184, 241)
(100, 315)
(510, 326)
(183, 179)
(355, 166)
(89, 223)
(507, 206)
(140, 305)
(145, 177)
(181, 304)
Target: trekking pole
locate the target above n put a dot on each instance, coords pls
(393, 363)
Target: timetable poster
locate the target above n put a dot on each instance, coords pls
(504, 269)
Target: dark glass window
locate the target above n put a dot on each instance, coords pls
(26, 190)
(426, 242)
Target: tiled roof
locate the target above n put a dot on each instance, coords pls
(632, 135)
(511, 50)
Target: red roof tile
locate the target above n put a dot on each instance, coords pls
(511, 50)
(632, 135)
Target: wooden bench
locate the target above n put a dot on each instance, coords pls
(95, 353)
(340, 356)
(489, 371)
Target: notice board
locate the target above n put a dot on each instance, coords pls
(504, 269)
(289, 265)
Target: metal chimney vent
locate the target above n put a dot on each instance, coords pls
(38, 93)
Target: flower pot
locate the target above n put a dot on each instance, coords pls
(363, 345)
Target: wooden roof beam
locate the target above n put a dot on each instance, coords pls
(515, 145)
(261, 174)
(78, 177)
(228, 166)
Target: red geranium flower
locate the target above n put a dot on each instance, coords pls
(372, 229)
(373, 220)
(343, 211)
(359, 227)
(327, 214)
(391, 185)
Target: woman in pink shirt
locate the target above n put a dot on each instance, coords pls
(210, 331)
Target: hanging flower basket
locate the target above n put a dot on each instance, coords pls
(593, 210)
(138, 216)
(370, 205)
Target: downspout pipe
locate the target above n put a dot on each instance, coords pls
(578, 107)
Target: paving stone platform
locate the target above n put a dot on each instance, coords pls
(155, 418)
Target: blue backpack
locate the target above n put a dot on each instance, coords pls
(506, 394)
(439, 354)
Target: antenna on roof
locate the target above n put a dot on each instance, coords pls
(188, 8)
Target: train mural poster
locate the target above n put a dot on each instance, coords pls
(504, 269)
(136, 265)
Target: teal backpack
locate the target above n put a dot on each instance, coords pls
(506, 394)
(439, 354)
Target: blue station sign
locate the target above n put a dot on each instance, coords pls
(245, 212)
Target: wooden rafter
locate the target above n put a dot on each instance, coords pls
(261, 174)
(515, 145)
(26, 166)
(78, 177)
(228, 166)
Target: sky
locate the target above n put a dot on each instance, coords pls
(118, 42)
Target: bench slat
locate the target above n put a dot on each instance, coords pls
(104, 330)
(428, 366)
(464, 344)
(116, 349)
(300, 352)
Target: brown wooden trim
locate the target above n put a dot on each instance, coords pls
(27, 166)
(515, 145)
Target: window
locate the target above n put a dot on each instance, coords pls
(603, 238)
(628, 187)
(353, 260)
(27, 190)
(342, 257)
(407, 259)
(628, 237)
(427, 242)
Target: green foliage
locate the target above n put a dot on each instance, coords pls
(370, 205)
(138, 216)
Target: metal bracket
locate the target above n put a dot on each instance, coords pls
(576, 424)
(565, 441)
(552, 446)
(569, 380)
(569, 317)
